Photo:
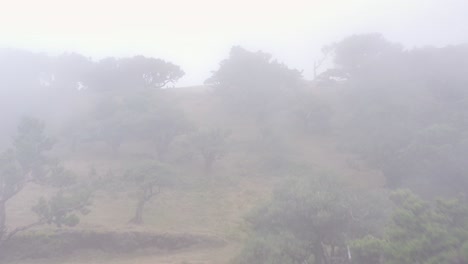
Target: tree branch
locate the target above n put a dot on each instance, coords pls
(23, 228)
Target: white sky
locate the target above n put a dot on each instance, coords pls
(197, 34)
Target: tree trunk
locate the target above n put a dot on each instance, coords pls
(138, 218)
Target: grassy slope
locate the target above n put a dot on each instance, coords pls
(207, 204)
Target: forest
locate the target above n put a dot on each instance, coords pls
(111, 161)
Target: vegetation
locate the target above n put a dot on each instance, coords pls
(252, 83)
(211, 145)
(149, 178)
(400, 117)
(27, 163)
(317, 217)
(363, 164)
(419, 231)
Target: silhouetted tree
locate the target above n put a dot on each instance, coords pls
(211, 145)
(26, 163)
(162, 126)
(253, 83)
(149, 178)
(132, 73)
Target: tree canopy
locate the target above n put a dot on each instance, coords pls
(26, 162)
(319, 216)
(253, 81)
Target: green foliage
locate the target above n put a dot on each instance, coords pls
(419, 232)
(320, 214)
(367, 250)
(61, 208)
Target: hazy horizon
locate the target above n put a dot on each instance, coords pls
(198, 35)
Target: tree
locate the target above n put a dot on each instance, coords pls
(129, 74)
(62, 208)
(70, 71)
(150, 72)
(318, 216)
(25, 163)
(402, 111)
(357, 55)
(114, 120)
(419, 232)
(114, 131)
(22, 164)
(148, 178)
(162, 126)
(211, 145)
(30, 146)
(253, 83)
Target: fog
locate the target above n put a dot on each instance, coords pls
(234, 132)
(198, 34)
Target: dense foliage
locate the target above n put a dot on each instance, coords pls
(404, 110)
(419, 232)
(312, 220)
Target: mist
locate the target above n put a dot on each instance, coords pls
(197, 35)
(234, 132)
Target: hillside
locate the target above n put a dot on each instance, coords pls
(212, 204)
(102, 162)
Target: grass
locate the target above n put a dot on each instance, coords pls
(200, 204)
